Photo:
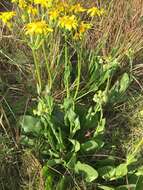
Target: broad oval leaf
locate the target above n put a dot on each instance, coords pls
(124, 83)
(92, 145)
(90, 173)
(76, 145)
(30, 124)
(121, 170)
(126, 187)
(107, 172)
(105, 187)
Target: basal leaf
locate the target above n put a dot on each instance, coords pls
(100, 128)
(53, 162)
(89, 172)
(105, 187)
(121, 170)
(139, 184)
(76, 145)
(71, 163)
(140, 171)
(107, 172)
(30, 124)
(92, 145)
(124, 83)
(126, 187)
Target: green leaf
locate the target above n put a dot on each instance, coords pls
(121, 171)
(71, 163)
(30, 124)
(76, 126)
(100, 127)
(27, 141)
(112, 173)
(76, 145)
(63, 183)
(124, 83)
(139, 184)
(71, 118)
(105, 187)
(92, 145)
(131, 159)
(89, 172)
(109, 161)
(140, 171)
(126, 187)
(49, 183)
(45, 171)
(107, 172)
(53, 162)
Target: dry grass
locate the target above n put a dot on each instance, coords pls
(120, 29)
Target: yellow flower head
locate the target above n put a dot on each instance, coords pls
(62, 7)
(54, 14)
(39, 27)
(32, 10)
(43, 3)
(94, 11)
(22, 4)
(77, 8)
(7, 16)
(68, 22)
(84, 27)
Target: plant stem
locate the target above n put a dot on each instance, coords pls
(78, 74)
(48, 67)
(67, 72)
(38, 77)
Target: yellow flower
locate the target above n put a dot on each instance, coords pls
(84, 27)
(43, 3)
(94, 11)
(77, 8)
(22, 4)
(62, 6)
(39, 27)
(32, 10)
(53, 14)
(7, 16)
(68, 22)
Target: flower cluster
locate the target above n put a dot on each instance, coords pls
(41, 16)
(39, 27)
(68, 22)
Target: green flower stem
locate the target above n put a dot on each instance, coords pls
(48, 67)
(78, 73)
(66, 68)
(37, 67)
